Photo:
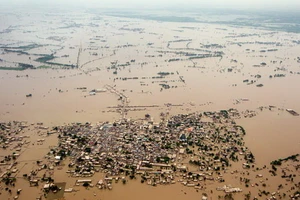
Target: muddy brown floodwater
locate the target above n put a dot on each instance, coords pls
(129, 55)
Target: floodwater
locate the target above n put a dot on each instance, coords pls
(205, 84)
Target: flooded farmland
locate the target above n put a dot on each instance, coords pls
(155, 84)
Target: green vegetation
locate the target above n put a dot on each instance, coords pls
(241, 128)
(224, 113)
(45, 58)
(21, 49)
(276, 162)
(165, 73)
(43, 67)
(30, 46)
(16, 51)
(279, 161)
(26, 66)
(22, 66)
(12, 68)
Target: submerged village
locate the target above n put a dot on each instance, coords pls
(192, 150)
(179, 106)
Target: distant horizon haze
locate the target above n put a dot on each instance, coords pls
(293, 5)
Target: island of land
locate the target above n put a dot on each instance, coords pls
(143, 104)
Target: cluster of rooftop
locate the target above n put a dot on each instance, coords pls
(188, 148)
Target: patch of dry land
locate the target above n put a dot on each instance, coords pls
(134, 105)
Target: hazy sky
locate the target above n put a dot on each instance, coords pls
(242, 4)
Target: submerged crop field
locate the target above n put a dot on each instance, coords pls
(144, 104)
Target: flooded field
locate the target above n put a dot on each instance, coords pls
(61, 67)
